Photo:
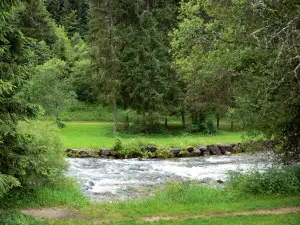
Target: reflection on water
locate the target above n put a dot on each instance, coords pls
(119, 180)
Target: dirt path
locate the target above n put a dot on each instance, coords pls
(61, 213)
(245, 213)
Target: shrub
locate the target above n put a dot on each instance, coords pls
(132, 150)
(184, 153)
(43, 161)
(207, 127)
(38, 160)
(163, 153)
(17, 218)
(280, 181)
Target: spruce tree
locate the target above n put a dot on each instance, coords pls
(104, 49)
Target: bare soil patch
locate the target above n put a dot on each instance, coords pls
(61, 213)
(209, 215)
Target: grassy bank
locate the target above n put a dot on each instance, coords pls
(95, 135)
(178, 203)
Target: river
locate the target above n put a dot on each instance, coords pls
(121, 180)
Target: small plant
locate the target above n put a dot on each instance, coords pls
(184, 153)
(117, 147)
(280, 181)
(163, 153)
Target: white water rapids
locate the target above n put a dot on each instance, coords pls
(119, 180)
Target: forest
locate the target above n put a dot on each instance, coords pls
(111, 73)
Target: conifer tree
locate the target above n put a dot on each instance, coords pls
(104, 49)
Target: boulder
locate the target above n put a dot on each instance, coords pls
(202, 147)
(104, 152)
(136, 155)
(196, 152)
(175, 151)
(214, 150)
(190, 149)
(225, 148)
(84, 153)
(237, 148)
(91, 183)
(227, 153)
(151, 148)
(71, 152)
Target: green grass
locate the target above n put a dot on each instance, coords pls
(180, 200)
(95, 135)
(66, 193)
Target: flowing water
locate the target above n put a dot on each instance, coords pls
(119, 180)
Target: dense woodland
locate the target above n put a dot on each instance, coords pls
(151, 58)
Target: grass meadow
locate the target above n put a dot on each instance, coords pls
(99, 134)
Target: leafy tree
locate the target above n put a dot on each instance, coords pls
(62, 47)
(251, 48)
(51, 88)
(80, 69)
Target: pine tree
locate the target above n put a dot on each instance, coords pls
(147, 78)
(13, 74)
(104, 49)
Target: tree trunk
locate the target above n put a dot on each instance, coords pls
(115, 114)
(126, 123)
(218, 121)
(166, 122)
(182, 118)
(201, 116)
(194, 117)
(231, 127)
(57, 119)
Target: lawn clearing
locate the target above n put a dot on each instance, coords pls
(95, 135)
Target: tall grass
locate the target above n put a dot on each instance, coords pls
(64, 193)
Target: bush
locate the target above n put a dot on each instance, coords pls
(82, 111)
(132, 150)
(17, 218)
(280, 181)
(207, 127)
(184, 153)
(163, 153)
(43, 161)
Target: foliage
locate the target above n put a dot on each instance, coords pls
(148, 84)
(72, 14)
(80, 72)
(184, 153)
(7, 183)
(105, 52)
(243, 55)
(35, 22)
(131, 150)
(278, 181)
(41, 160)
(163, 153)
(17, 218)
(62, 46)
(13, 76)
(51, 88)
(82, 111)
(206, 127)
(64, 192)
